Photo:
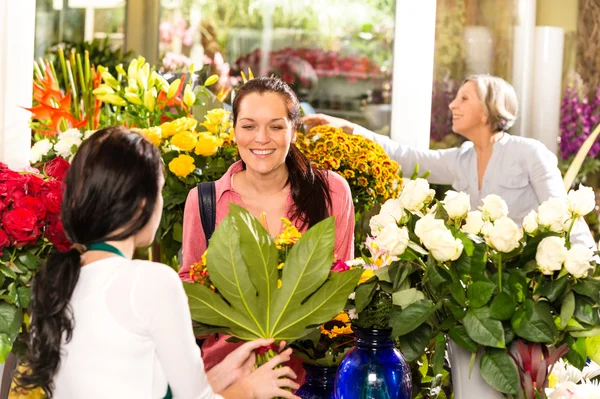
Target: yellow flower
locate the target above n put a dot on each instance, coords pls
(178, 125)
(279, 283)
(182, 166)
(152, 134)
(339, 325)
(367, 274)
(185, 141)
(289, 234)
(217, 121)
(349, 174)
(280, 266)
(207, 144)
(362, 181)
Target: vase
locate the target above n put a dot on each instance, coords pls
(467, 383)
(319, 382)
(373, 369)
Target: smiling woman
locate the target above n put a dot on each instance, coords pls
(273, 180)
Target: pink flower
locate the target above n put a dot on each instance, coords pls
(340, 266)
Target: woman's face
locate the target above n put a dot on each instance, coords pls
(468, 110)
(145, 236)
(263, 132)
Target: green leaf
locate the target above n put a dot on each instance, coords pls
(8, 313)
(480, 293)
(552, 289)
(499, 370)
(260, 255)
(437, 361)
(406, 320)
(178, 232)
(230, 274)
(483, 329)
(577, 354)
(567, 309)
(413, 344)
(7, 272)
(586, 311)
(5, 347)
(472, 265)
(399, 272)
(407, 297)
(437, 275)
(518, 286)
(458, 293)
(24, 296)
(364, 294)
(530, 322)
(461, 337)
(588, 287)
(503, 307)
(29, 260)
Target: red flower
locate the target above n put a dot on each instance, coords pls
(33, 204)
(12, 186)
(22, 225)
(288, 78)
(57, 168)
(56, 235)
(4, 241)
(52, 196)
(340, 266)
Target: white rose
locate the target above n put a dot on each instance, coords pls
(39, 150)
(426, 225)
(486, 229)
(493, 207)
(66, 141)
(530, 224)
(456, 204)
(554, 214)
(551, 254)
(504, 235)
(394, 208)
(582, 201)
(378, 222)
(577, 261)
(443, 246)
(415, 194)
(473, 222)
(393, 239)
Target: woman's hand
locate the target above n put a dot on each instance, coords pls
(237, 364)
(269, 382)
(321, 119)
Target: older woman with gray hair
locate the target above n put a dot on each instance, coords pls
(520, 170)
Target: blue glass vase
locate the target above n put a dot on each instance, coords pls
(319, 382)
(373, 369)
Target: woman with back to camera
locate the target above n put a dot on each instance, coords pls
(104, 325)
(520, 170)
(273, 179)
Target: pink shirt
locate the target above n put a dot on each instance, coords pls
(194, 241)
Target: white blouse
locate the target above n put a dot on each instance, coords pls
(133, 336)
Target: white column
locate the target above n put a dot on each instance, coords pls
(414, 38)
(17, 23)
(522, 75)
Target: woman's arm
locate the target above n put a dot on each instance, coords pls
(193, 240)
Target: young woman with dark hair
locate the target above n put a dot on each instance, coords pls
(272, 178)
(104, 325)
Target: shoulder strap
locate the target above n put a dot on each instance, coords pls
(207, 203)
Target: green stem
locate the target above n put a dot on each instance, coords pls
(568, 238)
(500, 272)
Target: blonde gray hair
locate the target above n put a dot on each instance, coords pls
(499, 98)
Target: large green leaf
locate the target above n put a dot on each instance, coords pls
(552, 289)
(260, 254)
(406, 320)
(533, 322)
(364, 294)
(229, 272)
(479, 293)
(306, 269)
(413, 344)
(503, 307)
(459, 335)
(567, 309)
(8, 314)
(483, 329)
(499, 370)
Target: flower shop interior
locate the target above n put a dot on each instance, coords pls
(481, 311)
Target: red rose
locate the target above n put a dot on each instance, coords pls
(57, 168)
(33, 204)
(52, 196)
(22, 225)
(4, 241)
(33, 184)
(12, 185)
(56, 235)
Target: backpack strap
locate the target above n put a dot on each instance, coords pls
(207, 203)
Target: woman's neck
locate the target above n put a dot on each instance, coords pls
(127, 247)
(484, 140)
(262, 184)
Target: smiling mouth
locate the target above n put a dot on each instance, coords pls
(262, 152)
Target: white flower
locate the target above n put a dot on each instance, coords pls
(551, 254)
(378, 222)
(443, 246)
(393, 239)
(456, 204)
(352, 314)
(493, 207)
(426, 225)
(486, 229)
(39, 150)
(66, 141)
(415, 194)
(88, 133)
(352, 296)
(553, 214)
(577, 261)
(356, 262)
(582, 201)
(530, 224)
(473, 223)
(393, 207)
(504, 235)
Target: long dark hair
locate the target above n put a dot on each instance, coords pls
(110, 193)
(308, 185)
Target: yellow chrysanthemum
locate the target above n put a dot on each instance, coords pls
(182, 166)
(178, 125)
(207, 144)
(152, 134)
(185, 141)
(339, 325)
(289, 234)
(362, 181)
